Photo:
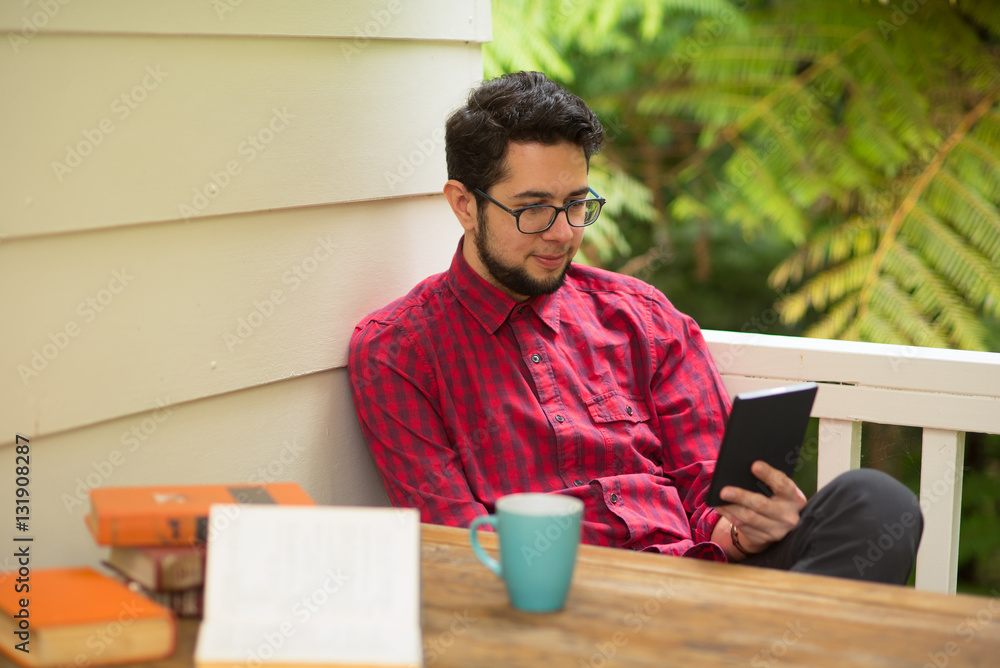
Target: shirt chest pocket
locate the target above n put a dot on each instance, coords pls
(623, 420)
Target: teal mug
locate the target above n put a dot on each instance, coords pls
(538, 534)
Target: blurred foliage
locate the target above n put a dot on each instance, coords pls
(827, 168)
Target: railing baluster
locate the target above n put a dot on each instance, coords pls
(839, 448)
(942, 459)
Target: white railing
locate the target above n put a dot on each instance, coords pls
(945, 392)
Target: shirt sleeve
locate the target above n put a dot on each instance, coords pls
(692, 405)
(399, 409)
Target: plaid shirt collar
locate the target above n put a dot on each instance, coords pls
(490, 305)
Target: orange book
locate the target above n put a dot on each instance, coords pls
(176, 514)
(76, 616)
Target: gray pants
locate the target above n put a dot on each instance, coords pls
(863, 525)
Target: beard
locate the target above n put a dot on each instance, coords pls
(515, 279)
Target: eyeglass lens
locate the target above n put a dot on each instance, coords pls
(538, 218)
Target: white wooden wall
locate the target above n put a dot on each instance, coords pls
(198, 202)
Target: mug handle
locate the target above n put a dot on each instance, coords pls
(486, 559)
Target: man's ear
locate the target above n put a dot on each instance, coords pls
(462, 202)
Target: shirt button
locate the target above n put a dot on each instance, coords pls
(560, 419)
(577, 482)
(536, 358)
(628, 409)
(614, 499)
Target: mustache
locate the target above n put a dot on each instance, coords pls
(553, 253)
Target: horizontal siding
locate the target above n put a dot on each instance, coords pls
(111, 322)
(123, 130)
(130, 130)
(303, 429)
(195, 211)
(468, 20)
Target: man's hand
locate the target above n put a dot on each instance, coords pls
(763, 520)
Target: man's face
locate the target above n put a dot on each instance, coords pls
(527, 265)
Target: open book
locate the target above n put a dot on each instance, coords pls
(311, 586)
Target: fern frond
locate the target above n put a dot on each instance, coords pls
(624, 193)
(626, 197)
(983, 173)
(877, 329)
(522, 40)
(985, 14)
(933, 295)
(895, 307)
(707, 104)
(977, 219)
(974, 276)
(836, 321)
(686, 207)
(825, 288)
(831, 246)
(761, 191)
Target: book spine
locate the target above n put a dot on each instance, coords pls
(176, 572)
(188, 603)
(151, 530)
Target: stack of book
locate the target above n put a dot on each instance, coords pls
(171, 575)
(158, 535)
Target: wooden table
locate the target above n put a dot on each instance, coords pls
(637, 609)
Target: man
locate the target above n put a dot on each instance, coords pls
(517, 371)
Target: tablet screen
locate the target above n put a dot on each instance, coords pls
(764, 424)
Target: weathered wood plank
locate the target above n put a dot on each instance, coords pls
(697, 613)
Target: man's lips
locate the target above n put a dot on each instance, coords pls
(550, 261)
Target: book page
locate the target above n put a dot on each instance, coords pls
(312, 584)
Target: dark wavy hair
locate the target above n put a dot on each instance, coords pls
(519, 107)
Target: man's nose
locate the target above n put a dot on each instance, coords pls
(561, 230)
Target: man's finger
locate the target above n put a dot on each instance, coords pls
(743, 497)
(757, 528)
(779, 483)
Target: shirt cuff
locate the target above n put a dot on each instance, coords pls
(703, 527)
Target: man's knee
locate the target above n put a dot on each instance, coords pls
(876, 498)
(885, 519)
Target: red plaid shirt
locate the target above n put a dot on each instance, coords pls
(601, 390)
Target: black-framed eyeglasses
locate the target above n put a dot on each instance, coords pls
(537, 218)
